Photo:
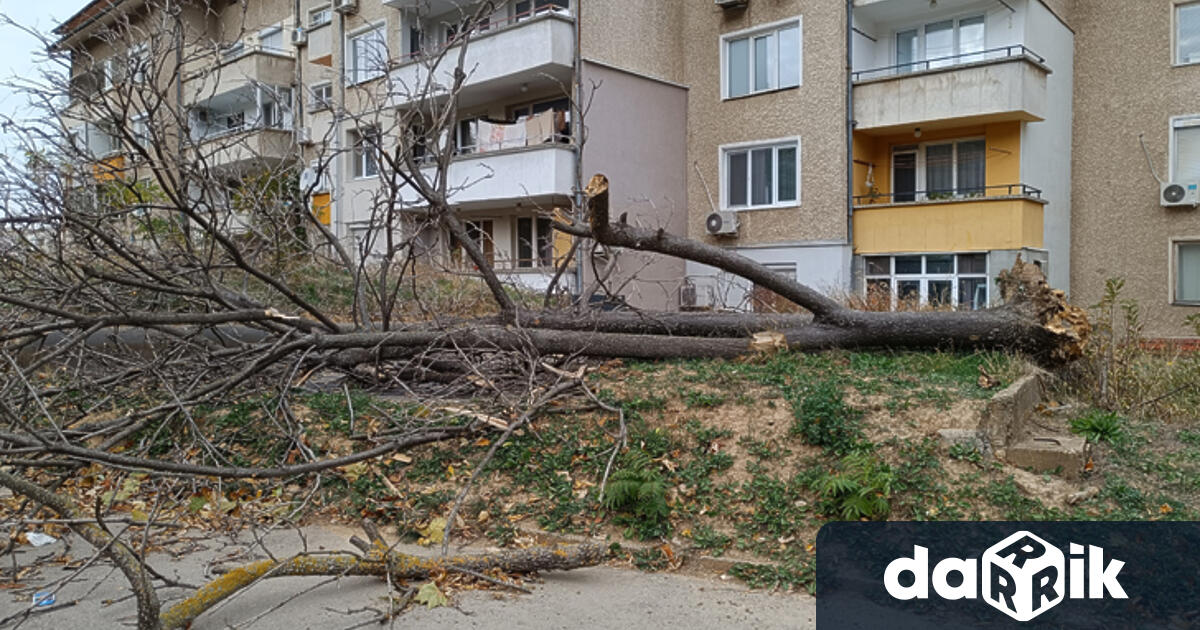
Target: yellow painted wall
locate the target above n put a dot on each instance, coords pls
(948, 227)
(320, 207)
(1003, 153)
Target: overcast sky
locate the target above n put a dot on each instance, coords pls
(19, 50)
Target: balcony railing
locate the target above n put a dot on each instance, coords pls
(485, 28)
(1016, 51)
(981, 193)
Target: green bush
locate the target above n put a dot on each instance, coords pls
(824, 419)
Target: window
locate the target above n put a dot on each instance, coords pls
(235, 121)
(1187, 33)
(271, 39)
(535, 242)
(275, 112)
(321, 97)
(762, 61)
(1185, 149)
(940, 44)
(365, 154)
(943, 170)
(481, 232)
(525, 9)
(933, 280)
(1187, 272)
(138, 59)
(761, 176)
(367, 55)
(108, 74)
(139, 128)
(319, 16)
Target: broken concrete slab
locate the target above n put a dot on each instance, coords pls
(967, 437)
(1065, 454)
(1005, 417)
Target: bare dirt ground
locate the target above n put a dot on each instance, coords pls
(598, 597)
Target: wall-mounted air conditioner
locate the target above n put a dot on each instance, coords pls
(299, 36)
(722, 223)
(1179, 195)
(345, 6)
(304, 136)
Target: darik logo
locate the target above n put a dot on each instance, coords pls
(1023, 576)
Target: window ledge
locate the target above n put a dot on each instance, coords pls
(1185, 64)
(761, 92)
(778, 206)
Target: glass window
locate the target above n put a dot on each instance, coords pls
(762, 176)
(545, 242)
(1188, 273)
(878, 265)
(738, 174)
(972, 263)
(1185, 162)
(939, 170)
(368, 55)
(941, 263)
(939, 293)
(320, 17)
(904, 176)
(789, 56)
(971, 167)
(971, 39)
(972, 293)
(787, 174)
(908, 265)
(939, 43)
(322, 96)
(1187, 33)
(366, 145)
(906, 50)
(739, 67)
(271, 39)
(763, 61)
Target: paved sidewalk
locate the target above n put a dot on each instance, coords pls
(597, 597)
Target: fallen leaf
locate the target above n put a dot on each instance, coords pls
(431, 596)
(433, 533)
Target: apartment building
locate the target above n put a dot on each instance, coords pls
(901, 151)
(1137, 81)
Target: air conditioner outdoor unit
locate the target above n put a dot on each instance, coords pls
(299, 36)
(722, 223)
(1179, 195)
(730, 4)
(345, 6)
(304, 136)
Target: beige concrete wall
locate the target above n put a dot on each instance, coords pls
(1125, 85)
(643, 36)
(815, 112)
(637, 136)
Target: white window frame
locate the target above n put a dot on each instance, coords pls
(1173, 271)
(354, 75)
(536, 262)
(271, 31)
(922, 55)
(723, 152)
(314, 13)
(750, 33)
(360, 158)
(922, 186)
(139, 129)
(108, 74)
(1176, 9)
(1178, 122)
(924, 277)
(137, 62)
(316, 103)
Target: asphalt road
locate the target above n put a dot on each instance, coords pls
(597, 597)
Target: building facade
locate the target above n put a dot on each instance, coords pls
(897, 152)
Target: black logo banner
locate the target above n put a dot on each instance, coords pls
(1008, 575)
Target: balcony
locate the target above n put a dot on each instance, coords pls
(1000, 84)
(530, 51)
(991, 218)
(539, 174)
(207, 76)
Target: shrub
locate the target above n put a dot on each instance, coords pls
(859, 487)
(824, 419)
(639, 490)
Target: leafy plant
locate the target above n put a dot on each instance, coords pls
(1099, 426)
(639, 490)
(824, 419)
(966, 451)
(858, 488)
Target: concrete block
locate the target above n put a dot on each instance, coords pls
(971, 437)
(1066, 453)
(1004, 418)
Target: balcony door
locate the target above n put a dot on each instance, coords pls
(939, 170)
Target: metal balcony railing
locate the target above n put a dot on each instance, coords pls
(981, 193)
(937, 63)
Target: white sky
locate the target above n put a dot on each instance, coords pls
(18, 50)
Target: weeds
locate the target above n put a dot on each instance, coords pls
(1099, 426)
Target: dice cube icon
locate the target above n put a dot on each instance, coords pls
(1023, 576)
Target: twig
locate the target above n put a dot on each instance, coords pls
(497, 582)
